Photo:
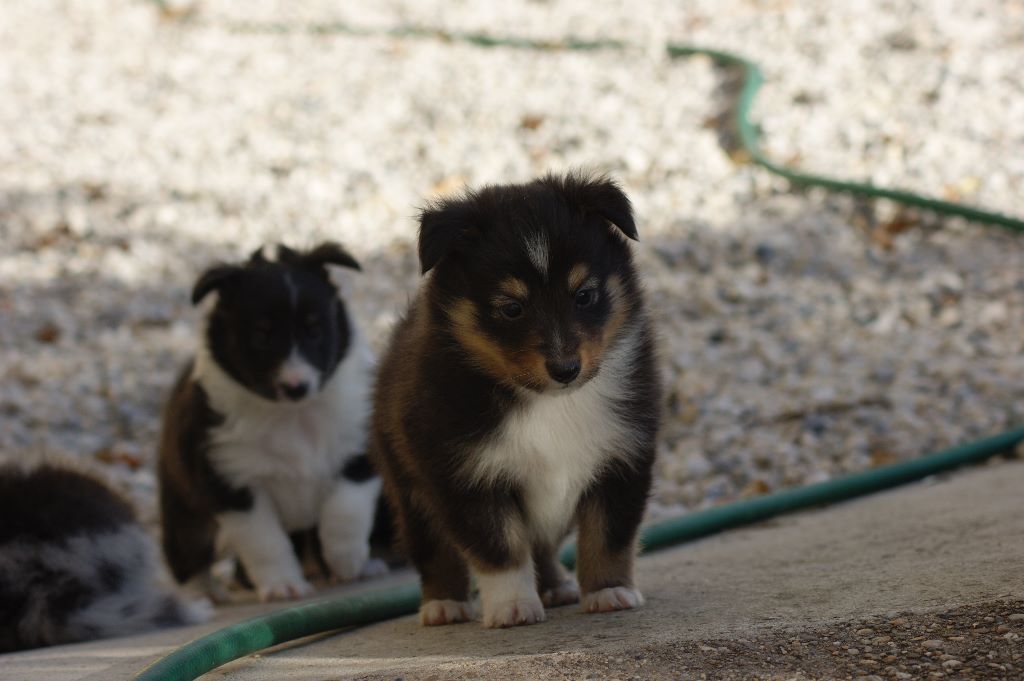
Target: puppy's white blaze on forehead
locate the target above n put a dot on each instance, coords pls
(537, 250)
(556, 340)
(296, 371)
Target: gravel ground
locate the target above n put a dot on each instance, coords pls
(805, 336)
(980, 641)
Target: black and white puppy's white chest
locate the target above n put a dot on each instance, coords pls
(262, 427)
(295, 453)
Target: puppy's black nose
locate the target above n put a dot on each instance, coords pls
(294, 391)
(564, 371)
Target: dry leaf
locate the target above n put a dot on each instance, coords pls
(531, 121)
(48, 333)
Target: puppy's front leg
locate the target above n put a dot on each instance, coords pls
(508, 595)
(609, 515)
(259, 541)
(503, 566)
(346, 521)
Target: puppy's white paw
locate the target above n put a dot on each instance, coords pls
(197, 610)
(375, 567)
(566, 593)
(612, 598)
(437, 612)
(349, 560)
(513, 613)
(206, 586)
(284, 589)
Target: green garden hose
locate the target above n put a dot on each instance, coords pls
(230, 643)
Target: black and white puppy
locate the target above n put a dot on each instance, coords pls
(75, 564)
(265, 432)
(520, 397)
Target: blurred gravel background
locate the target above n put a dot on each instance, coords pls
(805, 335)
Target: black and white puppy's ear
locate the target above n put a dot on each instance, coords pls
(602, 195)
(442, 225)
(331, 253)
(213, 279)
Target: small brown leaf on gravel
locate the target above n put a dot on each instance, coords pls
(883, 457)
(531, 121)
(54, 236)
(450, 184)
(48, 333)
(755, 489)
(114, 456)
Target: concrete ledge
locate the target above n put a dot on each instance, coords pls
(928, 547)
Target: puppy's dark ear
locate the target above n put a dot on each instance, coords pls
(213, 279)
(436, 235)
(603, 196)
(441, 226)
(331, 253)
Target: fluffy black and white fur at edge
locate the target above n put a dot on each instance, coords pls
(75, 564)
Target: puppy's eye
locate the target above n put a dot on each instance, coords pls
(586, 297)
(511, 310)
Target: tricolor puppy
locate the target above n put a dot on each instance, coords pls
(75, 564)
(264, 434)
(520, 398)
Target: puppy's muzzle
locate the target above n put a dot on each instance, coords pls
(296, 379)
(564, 371)
(294, 391)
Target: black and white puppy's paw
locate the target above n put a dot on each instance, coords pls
(564, 593)
(283, 589)
(264, 432)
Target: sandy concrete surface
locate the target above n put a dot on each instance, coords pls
(789, 598)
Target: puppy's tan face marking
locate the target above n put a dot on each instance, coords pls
(578, 276)
(514, 288)
(513, 367)
(593, 347)
(529, 335)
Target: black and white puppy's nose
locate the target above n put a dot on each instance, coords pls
(294, 391)
(564, 371)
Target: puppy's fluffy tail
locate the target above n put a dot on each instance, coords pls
(141, 600)
(86, 587)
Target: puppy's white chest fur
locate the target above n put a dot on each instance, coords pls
(555, 445)
(293, 452)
